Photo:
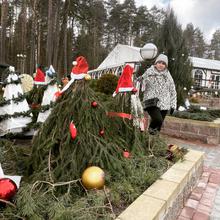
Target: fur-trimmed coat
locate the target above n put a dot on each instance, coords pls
(160, 85)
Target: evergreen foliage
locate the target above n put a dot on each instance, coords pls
(146, 24)
(89, 42)
(171, 42)
(195, 113)
(199, 47)
(137, 140)
(42, 200)
(107, 83)
(52, 188)
(194, 41)
(215, 44)
(70, 157)
(58, 30)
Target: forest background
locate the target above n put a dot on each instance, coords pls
(55, 32)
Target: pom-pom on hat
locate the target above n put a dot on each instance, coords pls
(50, 71)
(163, 58)
(125, 83)
(80, 69)
(39, 78)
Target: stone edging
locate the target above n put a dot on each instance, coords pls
(165, 198)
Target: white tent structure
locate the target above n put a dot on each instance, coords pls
(116, 60)
(120, 55)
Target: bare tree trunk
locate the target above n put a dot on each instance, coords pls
(4, 18)
(62, 44)
(56, 34)
(49, 33)
(32, 38)
(24, 37)
(39, 42)
(94, 45)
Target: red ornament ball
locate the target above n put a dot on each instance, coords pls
(8, 188)
(101, 132)
(94, 104)
(126, 154)
(73, 130)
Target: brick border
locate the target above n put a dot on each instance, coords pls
(165, 198)
(206, 132)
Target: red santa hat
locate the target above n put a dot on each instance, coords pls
(125, 83)
(39, 78)
(80, 69)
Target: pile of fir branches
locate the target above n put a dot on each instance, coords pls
(68, 158)
(195, 113)
(40, 199)
(137, 140)
(34, 99)
(52, 167)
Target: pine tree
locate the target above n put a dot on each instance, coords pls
(199, 43)
(189, 39)
(171, 42)
(89, 41)
(70, 157)
(215, 44)
(146, 25)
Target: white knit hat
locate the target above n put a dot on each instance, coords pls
(163, 58)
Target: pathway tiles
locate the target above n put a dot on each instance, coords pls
(201, 202)
(204, 200)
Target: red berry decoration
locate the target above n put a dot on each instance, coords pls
(134, 90)
(126, 154)
(101, 132)
(8, 188)
(94, 104)
(73, 130)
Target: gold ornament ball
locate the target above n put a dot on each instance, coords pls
(87, 77)
(174, 149)
(93, 178)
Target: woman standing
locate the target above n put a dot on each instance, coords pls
(159, 93)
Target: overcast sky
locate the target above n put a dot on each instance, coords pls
(204, 14)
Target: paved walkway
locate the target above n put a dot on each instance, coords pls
(204, 201)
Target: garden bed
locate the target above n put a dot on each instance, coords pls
(165, 198)
(119, 192)
(195, 113)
